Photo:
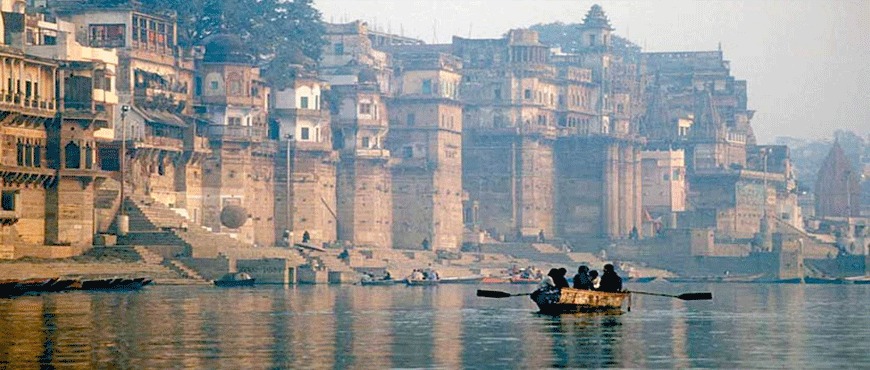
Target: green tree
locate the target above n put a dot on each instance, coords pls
(278, 32)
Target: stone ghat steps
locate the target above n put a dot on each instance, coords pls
(148, 256)
(24, 270)
(150, 214)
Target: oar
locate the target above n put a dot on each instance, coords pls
(497, 294)
(684, 296)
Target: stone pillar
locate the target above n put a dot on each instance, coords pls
(623, 186)
(638, 191)
(611, 192)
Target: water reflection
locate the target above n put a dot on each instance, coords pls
(747, 326)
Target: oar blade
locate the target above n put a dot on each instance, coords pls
(492, 294)
(696, 296)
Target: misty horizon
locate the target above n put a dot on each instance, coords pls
(804, 82)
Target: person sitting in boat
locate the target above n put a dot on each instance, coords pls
(596, 281)
(367, 277)
(560, 279)
(548, 282)
(581, 280)
(610, 281)
(387, 275)
(417, 275)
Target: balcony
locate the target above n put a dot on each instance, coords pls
(87, 110)
(158, 143)
(30, 105)
(8, 218)
(237, 133)
(372, 153)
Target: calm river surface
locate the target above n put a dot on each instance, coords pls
(745, 326)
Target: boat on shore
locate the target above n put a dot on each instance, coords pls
(569, 300)
(235, 279)
(474, 279)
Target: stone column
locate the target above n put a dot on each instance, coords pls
(623, 194)
(638, 190)
(610, 202)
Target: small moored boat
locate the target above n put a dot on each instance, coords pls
(567, 300)
(410, 282)
(475, 279)
(378, 282)
(235, 279)
(522, 280)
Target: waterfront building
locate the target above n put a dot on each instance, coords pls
(838, 187)
(529, 117)
(425, 138)
(664, 185)
(238, 193)
(305, 155)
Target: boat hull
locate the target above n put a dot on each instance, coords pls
(378, 282)
(234, 283)
(462, 280)
(421, 282)
(569, 300)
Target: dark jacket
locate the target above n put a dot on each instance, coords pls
(582, 281)
(610, 282)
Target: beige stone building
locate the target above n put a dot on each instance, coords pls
(238, 173)
(363, 184)
(307, 158)
(664, 185)
(426, 141)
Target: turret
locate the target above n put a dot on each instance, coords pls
(596, 29)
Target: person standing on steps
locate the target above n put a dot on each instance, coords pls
(306, 237)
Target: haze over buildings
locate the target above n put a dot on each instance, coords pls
(806, 61)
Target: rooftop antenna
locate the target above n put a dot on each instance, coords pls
(469, 29)
(401, 29)
(720, 46)
(435, 31)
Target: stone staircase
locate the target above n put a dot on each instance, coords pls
(182, 269)
(148, 257)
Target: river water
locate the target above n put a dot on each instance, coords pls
(160, 327)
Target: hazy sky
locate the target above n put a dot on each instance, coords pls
(807, 63)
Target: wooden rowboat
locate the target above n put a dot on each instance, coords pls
(520, 280)
(378, 282)
(475, 279)
(567, 300)
(410, 282)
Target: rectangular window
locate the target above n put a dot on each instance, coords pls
(527, 94)
(365, 142)
(303, 102)
(411, 118)
(407, 152)
(107, 35)
(8, 200)
(235, 121)
(427, 87)
(365, 108)
(339, 48)
(28, 89)
(305, 133)
(497, 94)
(214, 85)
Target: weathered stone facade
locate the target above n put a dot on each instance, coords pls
(426, 141)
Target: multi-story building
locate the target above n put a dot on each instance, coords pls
(306, 157)
(155, 79)
(425, 138)
(529, 116)
(86, 103)
(238, 175)
(363, 185)
(664, 185)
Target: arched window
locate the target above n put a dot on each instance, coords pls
(73, 155)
